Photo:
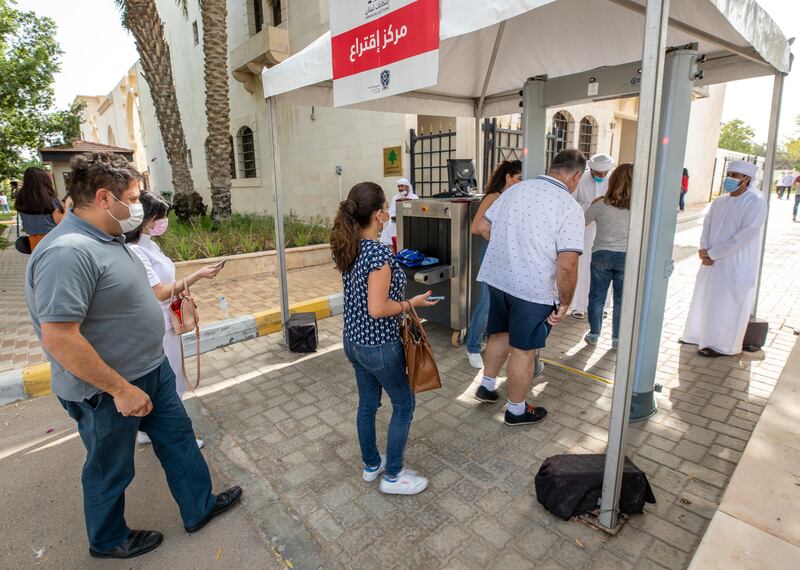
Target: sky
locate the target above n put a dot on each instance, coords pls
(98, 52)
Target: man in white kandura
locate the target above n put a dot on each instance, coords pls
(404, 192)
(593, 184)
(729, 251)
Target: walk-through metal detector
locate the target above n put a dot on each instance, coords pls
(614, 83)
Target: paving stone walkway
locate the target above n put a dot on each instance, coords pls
(286, 428)
(20, 347)
(248, 295)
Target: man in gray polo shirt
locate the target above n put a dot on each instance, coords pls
(535, 232)
(102, 329)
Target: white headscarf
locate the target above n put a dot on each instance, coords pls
(406, 182)
(747, 169)
(601, 162)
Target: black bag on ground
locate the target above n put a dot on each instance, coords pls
(301, 332)
(571, 485)
(755, 337)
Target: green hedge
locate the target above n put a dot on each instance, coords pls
(241, 234)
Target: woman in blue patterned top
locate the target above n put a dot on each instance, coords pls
(373, 301)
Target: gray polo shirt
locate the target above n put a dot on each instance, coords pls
(79, 273)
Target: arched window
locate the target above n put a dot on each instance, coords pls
(560, 136)
(247, 153)
(587, 136)
(233, 160)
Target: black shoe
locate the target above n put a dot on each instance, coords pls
(225, 501)
(138, 542)
(485, 395)
(532, 415)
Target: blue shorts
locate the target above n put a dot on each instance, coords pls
(525, 322)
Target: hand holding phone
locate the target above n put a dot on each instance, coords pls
(221, 264)
(433, 298)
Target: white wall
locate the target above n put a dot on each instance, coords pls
(701, 143)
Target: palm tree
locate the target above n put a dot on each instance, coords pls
(218, 108)
(141, 18)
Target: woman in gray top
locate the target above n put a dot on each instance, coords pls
(612, 215)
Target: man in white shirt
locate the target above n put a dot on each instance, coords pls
(593, 184)
(785, 185)
(535, 232)
(405, 191)
(729, 252)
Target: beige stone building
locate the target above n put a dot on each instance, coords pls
(315, 141)
(115, 119)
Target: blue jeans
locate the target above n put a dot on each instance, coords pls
(480, 314)
(682, 200)
(110, 440)
(796, 205)
(378, 368)
(607, 267)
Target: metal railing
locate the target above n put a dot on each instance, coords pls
(429, 155)
(498, 145)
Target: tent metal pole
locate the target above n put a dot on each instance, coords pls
(279, 235)
(769, 171)
(479, 105)
(655, 43)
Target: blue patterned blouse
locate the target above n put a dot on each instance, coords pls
(359, 326)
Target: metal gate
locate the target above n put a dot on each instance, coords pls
(499, 145)
(429, 156)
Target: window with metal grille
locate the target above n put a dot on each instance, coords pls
(258, 15)
(247, 152)
(587, 136)
(195, 33)
(277, 17)
(233, 160)
(560, 135)
(189, 158)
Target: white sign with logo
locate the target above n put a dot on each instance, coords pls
(383, 47)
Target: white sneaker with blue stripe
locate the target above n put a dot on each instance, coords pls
(371, 473)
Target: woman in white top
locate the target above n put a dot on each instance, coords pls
(161, 274)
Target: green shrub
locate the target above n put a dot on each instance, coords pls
(243, 233)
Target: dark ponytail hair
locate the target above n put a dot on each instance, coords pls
(355, 214)
(37, 196)
(498, 180)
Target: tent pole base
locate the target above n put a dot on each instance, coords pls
(643, 407)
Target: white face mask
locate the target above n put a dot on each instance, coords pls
(134, 221)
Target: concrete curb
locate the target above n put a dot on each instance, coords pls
(34, 380)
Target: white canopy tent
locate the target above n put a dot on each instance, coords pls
(490, 48)
(546, 37)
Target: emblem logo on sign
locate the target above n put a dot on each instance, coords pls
(385, 77)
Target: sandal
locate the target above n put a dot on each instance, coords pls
(709, 353)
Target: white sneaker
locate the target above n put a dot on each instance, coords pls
(200, 443)
(406, 483)
(369, 474)
(142, 438)
(475, 360)
(580, 315)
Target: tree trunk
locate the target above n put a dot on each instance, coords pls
(218, 108)
(148, 32)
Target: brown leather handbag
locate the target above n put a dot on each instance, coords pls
(185, 318)
(423, 375)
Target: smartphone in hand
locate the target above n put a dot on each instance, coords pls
(435, 298)
(221, 264)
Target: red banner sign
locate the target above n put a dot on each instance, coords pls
(394, 50)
